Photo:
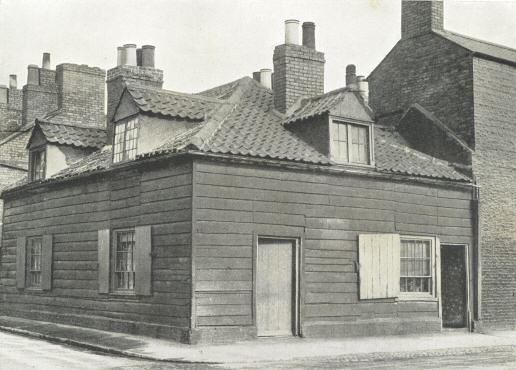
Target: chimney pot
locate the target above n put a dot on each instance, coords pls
(139, 57)
(266, 77)
(46, 61)
(148, 55)
(32, 74)
(363, 88)
(13, 84)
(3, 94)
(256, 76)
(309, 35)
(351, 75)
(119, 55)
(292, 31)
(129, 55)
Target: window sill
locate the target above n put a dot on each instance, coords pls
(353, 165)
(420, 298)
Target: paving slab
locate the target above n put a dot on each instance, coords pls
(265, 349)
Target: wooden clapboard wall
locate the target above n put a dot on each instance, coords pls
(232, 203)
(159, 196)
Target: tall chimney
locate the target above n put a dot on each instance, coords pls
(32, 74)
(13, 84)
(351, 75)
(292, 32)
(148, 56)
(298, 69)
(309, 35)
(363, 88)
(128, 71)
(420, 17)
(46, 61)
(266, 77)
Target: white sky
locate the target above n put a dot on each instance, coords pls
(203, 43)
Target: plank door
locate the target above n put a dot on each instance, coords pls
(275, 287)
(454, 286)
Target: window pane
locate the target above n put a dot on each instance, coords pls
(340, 141)
(34, 262)
(124, 264)
(415, 266)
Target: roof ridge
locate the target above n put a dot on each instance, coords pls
(440, 32)
(80, 127)
(130, 87)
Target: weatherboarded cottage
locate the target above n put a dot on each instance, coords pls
(262, 207)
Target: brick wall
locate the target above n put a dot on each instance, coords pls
(81, 93)
(419, 17)
(431, 71)
(298, 71)
(495, 170)
(37, 101)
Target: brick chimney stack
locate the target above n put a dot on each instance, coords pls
(135, 67)
(420, 17)
(298, 69)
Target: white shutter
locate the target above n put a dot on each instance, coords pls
(379, 260)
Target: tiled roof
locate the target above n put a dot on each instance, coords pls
(243, 122)
(19, 165)
(172, 104)
(82, 137)
(392, 155)
(100, 160)
(314, 106)
(480, 46)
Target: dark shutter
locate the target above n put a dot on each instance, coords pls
(142, 260)
(103, 260)
(20, 262)
(46, 263)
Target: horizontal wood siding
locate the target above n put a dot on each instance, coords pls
(233, 203)
(157, 195)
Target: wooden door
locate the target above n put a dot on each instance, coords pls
(275, 287)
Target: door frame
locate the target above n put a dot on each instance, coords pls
(296, 291)
(467, 270)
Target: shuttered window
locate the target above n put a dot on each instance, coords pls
(125, 263)
(379, 260)
(394, 266)
(34, 262)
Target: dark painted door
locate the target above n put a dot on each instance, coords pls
(453, 286)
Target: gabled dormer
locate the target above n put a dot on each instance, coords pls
(339, 124)
(146, 118)
(53, 147)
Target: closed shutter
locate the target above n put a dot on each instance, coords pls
(103, 260)
(20, 262)
(46, 263)
(142, 260)
(379, 260)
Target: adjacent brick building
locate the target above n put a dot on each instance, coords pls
(470, 87)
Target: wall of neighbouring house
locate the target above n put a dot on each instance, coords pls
(8, 175)
(495, 171)
(235, 203)
(430, 71)
(73, 213)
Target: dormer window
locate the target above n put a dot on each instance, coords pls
(351, 142)
(38, 158)
(126, 134)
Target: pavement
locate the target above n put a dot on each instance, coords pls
(447, 343)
